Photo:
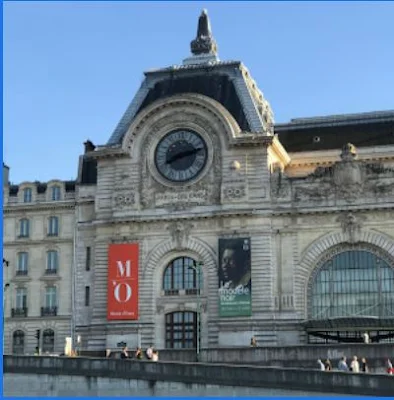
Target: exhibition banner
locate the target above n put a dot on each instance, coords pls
(235, 286)
(123, 281)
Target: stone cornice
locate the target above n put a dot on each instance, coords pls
(107, 152)
(38, 242)
(315, 158)
(34, 207)
(280, 151)
(246, 139)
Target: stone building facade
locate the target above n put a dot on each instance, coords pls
(196, 161)
(38, 248)
(300, 192)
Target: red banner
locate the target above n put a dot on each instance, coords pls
(123, 281)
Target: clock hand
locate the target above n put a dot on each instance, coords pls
(182, 155)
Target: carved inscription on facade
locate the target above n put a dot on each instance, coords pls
(171, 197)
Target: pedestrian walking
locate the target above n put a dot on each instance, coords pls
(342, 365)
(355, 365)
(364, 366)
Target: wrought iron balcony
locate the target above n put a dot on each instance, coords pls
(51, 271)
(21, 273)
(171, 292)
(48, 311)
(19, 312)
(193, 291)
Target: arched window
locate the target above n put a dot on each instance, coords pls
(181, 330)
(353, 283)
(48, 341)
(24, 228)
(27, 195)
(52, 262)
(53, 226)
(182, 274)
(18, 342)
(55, 193)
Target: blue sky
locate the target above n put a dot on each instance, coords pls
(71, 68)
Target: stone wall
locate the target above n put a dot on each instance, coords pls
(100, 373)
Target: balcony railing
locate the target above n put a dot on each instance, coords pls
(21, 273)
(193, 291)
(19, 312)
(51, 271)
(171, 292)
(48, 311)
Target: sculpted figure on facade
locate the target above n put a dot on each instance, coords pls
(348, 180)
(351, 226)
(180, 231)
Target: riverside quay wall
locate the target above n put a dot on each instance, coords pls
(305, 356)
(57, 376)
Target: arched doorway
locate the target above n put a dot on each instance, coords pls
(181, 330)
(48, 341)
(18, 342)
(351, 293)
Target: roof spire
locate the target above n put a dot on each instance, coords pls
(204, 43)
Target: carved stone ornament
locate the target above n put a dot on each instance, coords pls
(204, 43)
(180, 231)
(234, 192)
(124, 199)
(279, 183)
(348, 179)
(351, 226)
(159, 309)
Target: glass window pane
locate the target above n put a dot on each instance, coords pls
(353, 283)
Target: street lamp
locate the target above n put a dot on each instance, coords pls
(197, 268)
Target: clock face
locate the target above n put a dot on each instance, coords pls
(181, 155)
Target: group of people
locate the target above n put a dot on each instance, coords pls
(355, 365)
(150, 354)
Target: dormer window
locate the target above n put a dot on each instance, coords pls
(27, 195)
(55, 193)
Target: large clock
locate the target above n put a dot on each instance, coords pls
(181, 155)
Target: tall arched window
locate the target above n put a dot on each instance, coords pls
(48, 341)
(182, 274)
(353, 283)
(18, 342)
(181, 330)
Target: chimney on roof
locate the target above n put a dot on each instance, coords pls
(89, 146)
(6, 175)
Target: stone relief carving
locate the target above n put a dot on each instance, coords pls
(234, 192)
(124, 199)
(279, 184)
(180, 231)
(351, 226)
(348, 179)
